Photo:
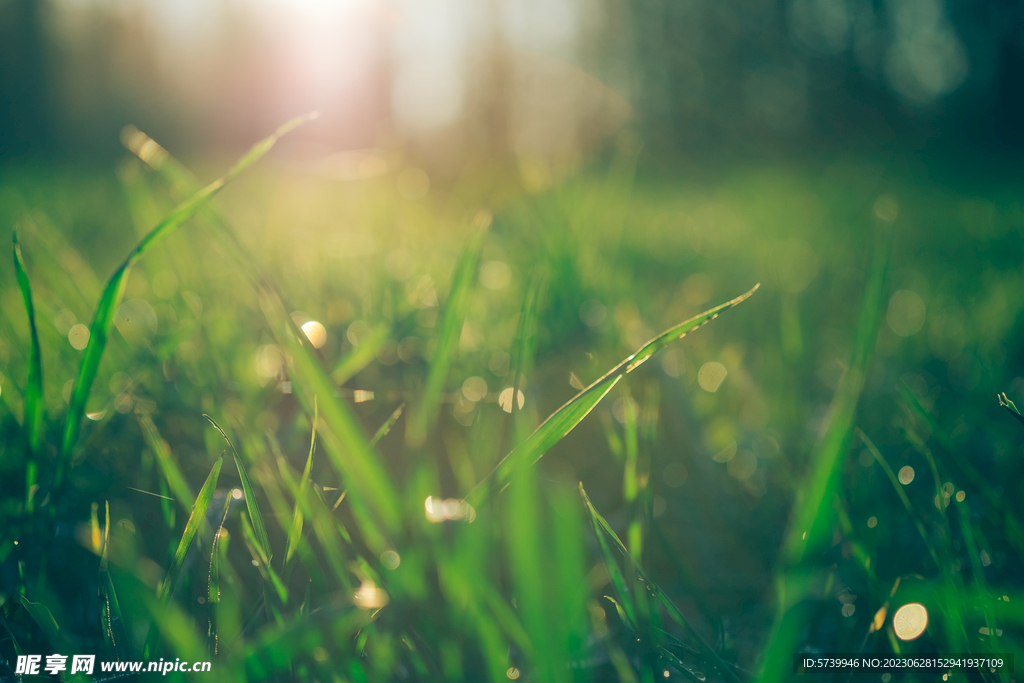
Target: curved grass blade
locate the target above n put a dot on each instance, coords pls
(250, 496)
(565, 419)
(295, 533)
(199, 509)
(261, 560)
(347, 448)
(172, 474)
(113, 620)
(601, 525)
(113, 292)
(388, 424)
(34, 386)
(213, 585)
(894, 480)
(447, 342)
(361, 356)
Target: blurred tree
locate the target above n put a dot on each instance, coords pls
(24, 79)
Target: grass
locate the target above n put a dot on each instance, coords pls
(636, 515)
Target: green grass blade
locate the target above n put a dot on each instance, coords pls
(565, 419)
(894, 480)
(525, 345)
(113, 621)
(810, 526)
(195, 520)
(601, 525)
(348, 449)
(361, 356)
(113, 292)
(250, 495)
(213, 584)
(261, 560)
(447, 342)
(295, 533)
(199, 509)
(177, 626)
(34, 386)
(175, 481)
(388, 424)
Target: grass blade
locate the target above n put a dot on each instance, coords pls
(250, 496)
(359, 357)
(565, 419)
(34, 386)
(263, 562)
(113, 620)
(347, 448)
(199, 509)
(175, 481)
(902, 494)
(195, 519)
(601, 525)
(213, 585)
(113, 292)
(388, 424)
(448, 340)
(295, 533)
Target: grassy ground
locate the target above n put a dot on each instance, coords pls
(780, 480)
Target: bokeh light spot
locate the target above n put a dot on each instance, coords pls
(711, 375)
(906, 313)
(910, 621)
(906, 474)
(78, 335)
(315, 333)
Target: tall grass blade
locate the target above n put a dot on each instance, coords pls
(565, 419)
(348, 449)
(346, 445)
(358, 358)
(447, 341)
(525, 345)
(175, 481)
(383, 430)
(295, 533)
(195, 520)
(810, 524)
(34, 386)
(250, 495)
(113, 621)
(113, 292)
(213, 584)
(601, 525)
(894, 480)
(262, 561)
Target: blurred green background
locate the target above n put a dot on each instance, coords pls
(785, 478)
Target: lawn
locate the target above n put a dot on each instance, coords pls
(299, 432)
